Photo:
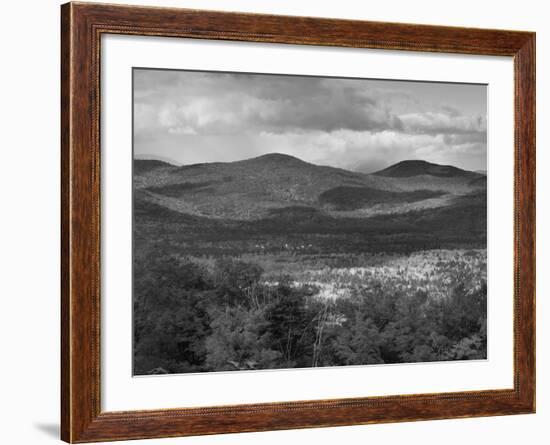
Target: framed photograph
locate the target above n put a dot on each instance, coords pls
(274, 222)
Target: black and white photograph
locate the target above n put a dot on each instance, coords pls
(286, 221)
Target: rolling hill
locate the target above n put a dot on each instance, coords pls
(251, 189)
(276, 203)
(406, 169)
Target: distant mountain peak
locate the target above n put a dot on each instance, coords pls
(414, 162)
(146, 165)
(150, 157)
(416, 167)
(278, 158)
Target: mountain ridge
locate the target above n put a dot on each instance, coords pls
(252, 188)
(405, 168)
(415, 167)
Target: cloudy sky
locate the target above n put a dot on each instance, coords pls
(358, 124)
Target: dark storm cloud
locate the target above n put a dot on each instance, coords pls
(209, 103)
(344, 122)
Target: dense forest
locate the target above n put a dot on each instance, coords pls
(189, 317)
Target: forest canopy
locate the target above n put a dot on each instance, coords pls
(192, 318)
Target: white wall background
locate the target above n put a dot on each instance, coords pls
(29, 222)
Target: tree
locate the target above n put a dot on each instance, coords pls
(239, 339)
(359, 342)
(291, 324)
(170, 317)
(464, 312)
(238, 282)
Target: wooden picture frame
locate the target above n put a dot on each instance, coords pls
(82, 25)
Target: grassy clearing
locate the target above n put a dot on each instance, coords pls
(435, 271)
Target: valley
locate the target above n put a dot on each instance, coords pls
(274, 230)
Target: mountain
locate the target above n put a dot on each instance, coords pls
(150, 157)
(142, 166)
(406, 169)
(479, 182)
(244, 189)
(279, 203)
(265, 186)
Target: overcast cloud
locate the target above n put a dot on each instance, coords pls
(358, 124)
